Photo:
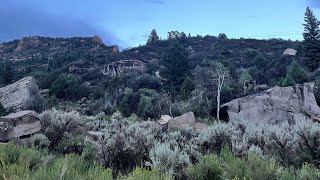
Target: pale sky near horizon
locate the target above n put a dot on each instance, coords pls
(128, 22)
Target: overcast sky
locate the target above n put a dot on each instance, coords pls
(128, 22)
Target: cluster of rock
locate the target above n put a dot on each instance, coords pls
(276, 105)
(20, 97)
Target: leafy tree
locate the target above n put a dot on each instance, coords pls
(295, 75)
(67, 87)
(177, 67)
(311, 39)
(153, 37)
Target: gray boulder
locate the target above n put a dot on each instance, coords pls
(276, 105)
(19, 124)
(21, 95)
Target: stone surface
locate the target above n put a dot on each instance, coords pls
(164, 119)
(19, 124)
(124, 66)
(276, 105)
(21, 95)
(186, 119)
(290, 52)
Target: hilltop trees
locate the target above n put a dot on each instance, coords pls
(311, 42)
(153, 37)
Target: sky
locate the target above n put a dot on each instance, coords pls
(128, 23)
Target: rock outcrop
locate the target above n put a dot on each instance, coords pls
(183, 121)
(290, 52)
(21, 95)
(276, 105)
(19, 124)
(124, 66)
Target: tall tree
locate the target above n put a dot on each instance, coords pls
(311, 44)
(221, 75)
(153, 37)
(177, 67)
(311, 26)
(7, 75)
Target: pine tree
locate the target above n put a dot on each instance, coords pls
(311, 26)
(311, 44)
(177, 68)
(7, 76)
(153, 37)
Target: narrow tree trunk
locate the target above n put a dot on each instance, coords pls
(218, 104)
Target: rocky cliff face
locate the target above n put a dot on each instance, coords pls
(21, 95)
(36, 47)
(275, 105)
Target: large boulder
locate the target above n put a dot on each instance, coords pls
(276, 105)
(19, 124)
(21, 95)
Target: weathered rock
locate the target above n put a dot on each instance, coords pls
(290, 52)
(21, 95)
(164, 119)
(19, 124)
(185, 120)
(276, 105)
(124, 66)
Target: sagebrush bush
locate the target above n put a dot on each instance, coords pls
(308, 140)
(215, 137)
(126, 144)
(39, 141)
(56, 123)
(169, 159)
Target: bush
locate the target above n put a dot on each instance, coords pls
(253, 166)
(215, 137)
(56, 124)
(126, 144)
(143, 174)
(209, 167)
(168, 159)
(68, 88)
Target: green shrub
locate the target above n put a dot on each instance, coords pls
(143, 174)
(73, 144)
(209, 167)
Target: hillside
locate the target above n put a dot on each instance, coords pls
(83, 63)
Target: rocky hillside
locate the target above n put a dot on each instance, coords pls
(35, 47)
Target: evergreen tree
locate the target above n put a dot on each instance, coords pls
(3, 111)
(153, 37)
(7, 75)
(295, 75)
(311, 26)
(311, 44)
(176, 68)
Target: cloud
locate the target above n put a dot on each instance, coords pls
(19, 20)
(157, 2)
(314, 3)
